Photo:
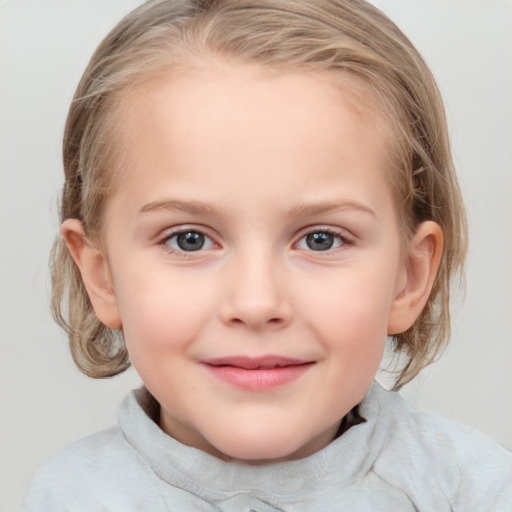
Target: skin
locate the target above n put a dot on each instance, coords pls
(255, 161)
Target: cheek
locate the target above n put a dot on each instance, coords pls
(353, 304)
(349, 316)
(159, 328)
(159, 316)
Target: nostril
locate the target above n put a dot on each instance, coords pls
(270, 321)
(256, 323)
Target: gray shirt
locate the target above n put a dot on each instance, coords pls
(398, 460)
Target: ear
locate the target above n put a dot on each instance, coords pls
(421, 264)
(93, 266)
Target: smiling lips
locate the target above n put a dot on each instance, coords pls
(257, 374)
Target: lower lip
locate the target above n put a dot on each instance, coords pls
(259, 379)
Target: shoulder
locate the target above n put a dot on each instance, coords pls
(95, 462)
(444, 459)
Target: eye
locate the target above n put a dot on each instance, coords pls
(189, 241)
(321, 241)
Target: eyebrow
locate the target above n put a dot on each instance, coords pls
(307, 210)
(192, 207)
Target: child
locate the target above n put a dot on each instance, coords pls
(258, 193)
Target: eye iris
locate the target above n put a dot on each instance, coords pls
(190, 241)
(320, 241)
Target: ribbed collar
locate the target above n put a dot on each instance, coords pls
(343, 461)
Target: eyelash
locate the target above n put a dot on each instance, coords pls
(344, 239)
(182, 231)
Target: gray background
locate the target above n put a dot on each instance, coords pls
(45, 45)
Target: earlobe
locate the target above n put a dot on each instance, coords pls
(421, 264)
(94, 269)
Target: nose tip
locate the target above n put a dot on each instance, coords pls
(254, 319)
(255, 298)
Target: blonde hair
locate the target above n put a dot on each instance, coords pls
(343, 37)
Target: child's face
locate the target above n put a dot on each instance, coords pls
(254, 227)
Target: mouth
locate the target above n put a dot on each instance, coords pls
(257, 373)
(256, 363)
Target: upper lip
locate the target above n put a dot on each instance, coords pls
(254, 363)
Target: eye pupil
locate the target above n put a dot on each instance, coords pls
(190, 241)
(320, 241)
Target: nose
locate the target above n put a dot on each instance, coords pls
(255, 295)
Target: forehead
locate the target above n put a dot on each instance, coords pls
(235, 122)
(201, 84)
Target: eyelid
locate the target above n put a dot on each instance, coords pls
(346, 237)
(169, 233)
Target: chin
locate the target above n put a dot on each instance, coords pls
(260, 450)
